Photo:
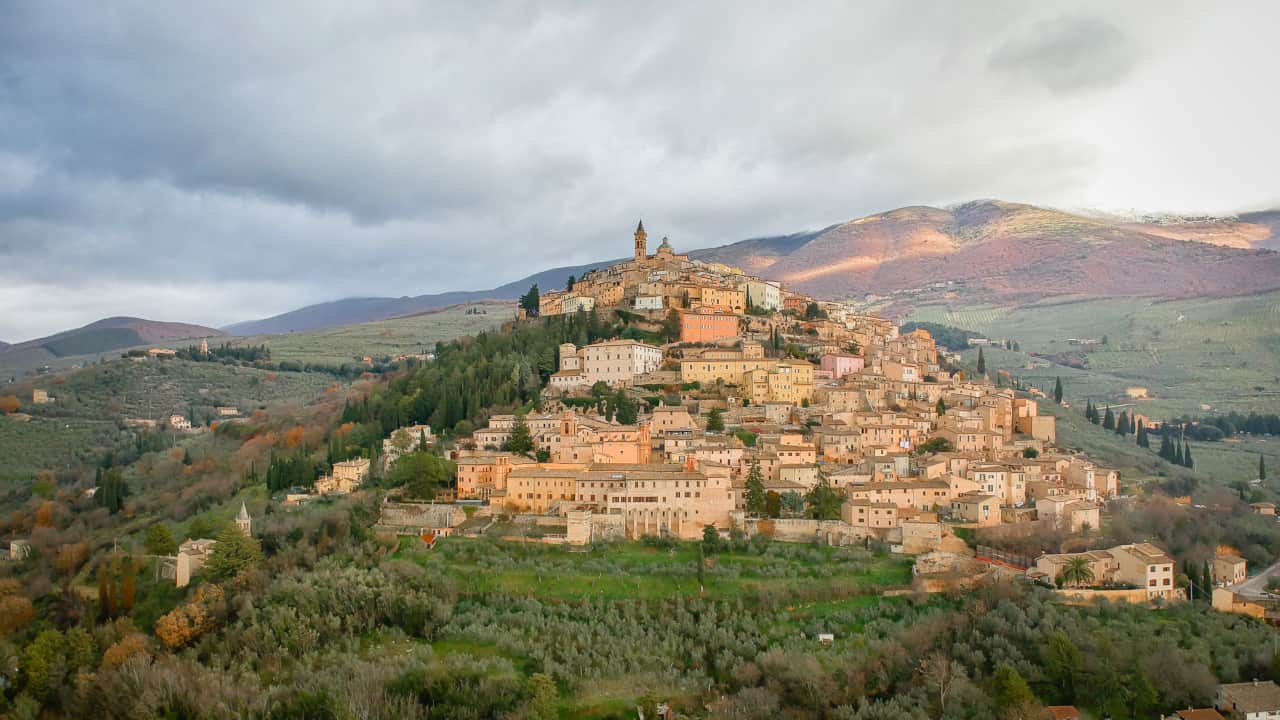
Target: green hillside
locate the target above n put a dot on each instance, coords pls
(1217, 352)
(385, 338)
(96, 340)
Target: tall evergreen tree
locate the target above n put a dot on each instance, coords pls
(1177, 454)
(530, 300)
(1262, 467)
(1108, 420)
(1122, 423)
(941, 407)
(1186, 456)
(1057, 391)
(755, 495)
(521, 440)
(1166, 448)
(1142, 439)
(1207, 582)
(982, 363)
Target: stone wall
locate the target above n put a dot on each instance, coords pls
(828, 532)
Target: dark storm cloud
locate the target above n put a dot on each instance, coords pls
(214, 162)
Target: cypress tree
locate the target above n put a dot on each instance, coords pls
(1122, 423)
(1177, 454)
(1262, 467)
(1166, 448)
(1142, 435)
(1057, 391)
(1207, 587)
(941, 407)
(982, 363)
(1108, 420)
(1186, 456)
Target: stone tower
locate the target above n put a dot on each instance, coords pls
(642, 243)
(244, 523)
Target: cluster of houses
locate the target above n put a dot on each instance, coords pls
(800, 397)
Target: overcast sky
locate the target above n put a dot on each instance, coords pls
(227, 162)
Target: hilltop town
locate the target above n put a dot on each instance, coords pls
(757, 410)
(661, 440)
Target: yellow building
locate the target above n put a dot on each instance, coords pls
(538, 488)
(725, 299)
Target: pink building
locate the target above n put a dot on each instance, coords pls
(840, 364)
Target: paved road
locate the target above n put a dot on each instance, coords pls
(1256, 585)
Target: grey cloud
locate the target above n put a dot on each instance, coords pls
(1069, 54)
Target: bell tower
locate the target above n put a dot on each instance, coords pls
(642, 242)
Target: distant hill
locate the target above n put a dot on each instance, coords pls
(352, 311)
(1008, 252)
(107, 335)
(3, 345)
(1001, 251)
(1269, 219)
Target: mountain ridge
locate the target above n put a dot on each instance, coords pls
(980, 242)
(1002, 251)
(111, 333)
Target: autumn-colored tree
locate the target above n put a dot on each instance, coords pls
(16, 609)
(293, 436)
(9, 404)
(71, 556)
(44, 515)
(131, 645)
(128, 584)
(188, 622)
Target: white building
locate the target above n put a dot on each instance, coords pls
(613, 362)
(578, 302)
(648, 302)
(764, 294)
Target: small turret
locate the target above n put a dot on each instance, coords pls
(244, 523)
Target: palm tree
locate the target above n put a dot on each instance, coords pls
(1078, 571)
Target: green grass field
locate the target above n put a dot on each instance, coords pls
(1223, 354)
(1217, 352)
(387, 338)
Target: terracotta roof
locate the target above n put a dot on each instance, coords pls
(1250, 697)
(1062, 712)
(1199, 714)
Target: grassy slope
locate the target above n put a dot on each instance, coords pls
(417, 334)
(1187, 353)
